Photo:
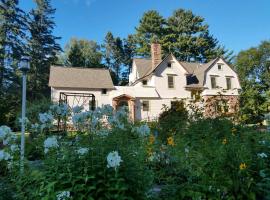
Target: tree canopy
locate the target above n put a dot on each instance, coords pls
(83, 53)
(43, 47)
(184, 34)
(253, 67)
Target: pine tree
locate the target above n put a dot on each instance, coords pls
(12, 38)
(130, 48)
(12, 48)
(75, 55)
(183, 34)
(152, 25)
(43, 47)
(114, 54)
(108, 49)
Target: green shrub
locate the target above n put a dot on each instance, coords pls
(173, 120)
(216, 160)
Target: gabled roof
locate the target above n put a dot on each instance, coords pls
(75, 77)
(150, 70)
(144, 67)
(198, 70)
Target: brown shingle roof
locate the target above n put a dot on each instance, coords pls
(143, 66)
(74, 77)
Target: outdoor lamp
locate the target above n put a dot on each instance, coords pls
(24, 66)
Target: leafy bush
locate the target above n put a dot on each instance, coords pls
(173, 120)
(216, 160)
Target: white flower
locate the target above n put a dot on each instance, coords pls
(113, 160)
(35, 127)
(143, 130)
(63, 195)
(186, 150)
(45, 118)
(4, 131)
(5, 155)
(14, 147)
(80, 117)
(77, 109)
(61, 109)
(50, 142)
(26, 121)
(262, 155)
(262, 142)
(82, 151)
(103, 132)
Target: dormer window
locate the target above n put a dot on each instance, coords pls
(144, 82)
(169, 65)
(219, 67)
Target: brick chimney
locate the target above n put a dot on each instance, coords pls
(155, 54)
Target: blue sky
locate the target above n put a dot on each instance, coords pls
(237, 24)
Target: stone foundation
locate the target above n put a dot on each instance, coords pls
(220, 105)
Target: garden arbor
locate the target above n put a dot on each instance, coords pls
(85, 100)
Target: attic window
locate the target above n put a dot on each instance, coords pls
(104, 91)
(144, 82)
(220, 67)
(169, 64)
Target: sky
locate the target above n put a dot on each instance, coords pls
(237, 24)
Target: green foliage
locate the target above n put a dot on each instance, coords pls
(252, 67)
(151, 26)
(12, 47)
(42, 47)
(82, 53)
(87, 176)
(33, 110)
(183, 34)
(208, 159)
(116, 54)
(173, 120)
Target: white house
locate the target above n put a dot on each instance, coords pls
(153, 83)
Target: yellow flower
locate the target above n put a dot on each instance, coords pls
(149, 151)
(234, 131)
(170, 141)
(151, 139)
(224, 141)
(242, 166)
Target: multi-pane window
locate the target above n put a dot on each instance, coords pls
(213, 82)
(170, 81)
(222, 106)
(229, 83)
(145, 105)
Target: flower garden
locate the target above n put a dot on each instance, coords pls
(107, 156)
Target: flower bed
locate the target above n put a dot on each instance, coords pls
(110, 157)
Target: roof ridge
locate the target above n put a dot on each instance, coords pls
(69, 67)
(142, 58)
